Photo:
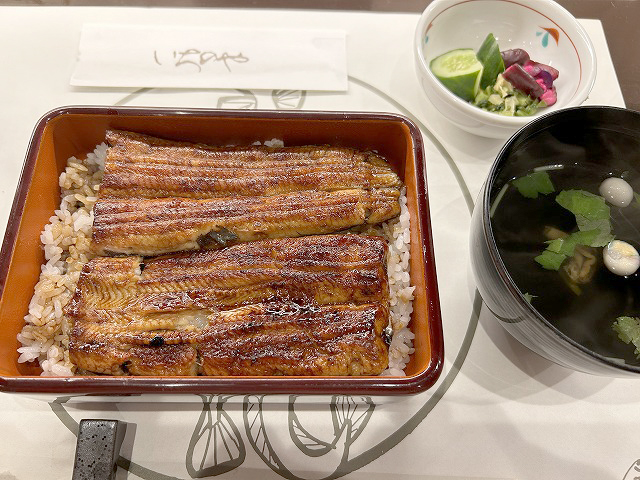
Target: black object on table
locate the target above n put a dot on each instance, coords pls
(98, 449)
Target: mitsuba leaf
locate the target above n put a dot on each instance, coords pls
(594, 227)
(550, 260)
(604, 236)
(531, 185)
(555, 246)
(628, 330)
(592, 213)
(560, 248)
(578, 238)
(586, 206)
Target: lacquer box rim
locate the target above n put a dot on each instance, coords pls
(72, 130)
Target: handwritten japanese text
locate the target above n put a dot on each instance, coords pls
(199, 58)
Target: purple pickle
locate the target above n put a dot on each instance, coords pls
(544, 79)
(534, 68)
(513, 56)
(523, 81)
(549, 97)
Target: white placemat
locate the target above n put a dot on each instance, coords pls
(498, 410)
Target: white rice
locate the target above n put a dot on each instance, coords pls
(66, 240)
(397, 233)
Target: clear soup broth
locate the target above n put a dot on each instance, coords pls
(585, 311)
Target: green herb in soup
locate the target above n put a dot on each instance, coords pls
(628, 329)
(594, 228)
(574, 252)
(533, 184)
(592, 213)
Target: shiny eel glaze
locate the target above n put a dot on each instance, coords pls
(314, 305)
(160, 196)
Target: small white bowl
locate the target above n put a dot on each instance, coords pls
(548, 32)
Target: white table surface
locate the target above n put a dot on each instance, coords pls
(498, 410)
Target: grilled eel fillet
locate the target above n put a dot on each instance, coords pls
(313, 305)
(142, 166)
(159, 196)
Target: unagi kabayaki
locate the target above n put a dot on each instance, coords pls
(142, 166)
(314, 305)
(160, 196)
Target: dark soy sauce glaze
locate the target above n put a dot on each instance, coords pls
(518, 225)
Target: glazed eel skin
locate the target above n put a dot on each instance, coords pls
(314, 305)
(159, 196)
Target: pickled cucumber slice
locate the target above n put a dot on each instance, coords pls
(491, 59)
(460, 71)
